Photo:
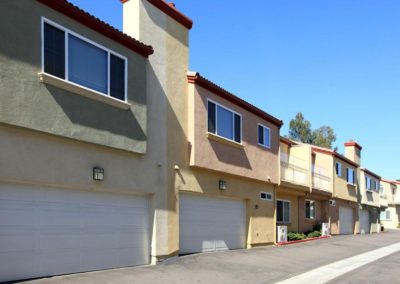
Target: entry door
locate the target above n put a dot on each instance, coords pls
(346, 220)
(209, 224)
(364, 222)
(49, 231)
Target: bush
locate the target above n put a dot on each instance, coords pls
(398, 226)
(315, 234)
(296, 236)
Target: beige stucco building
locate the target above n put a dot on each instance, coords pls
(390, 216)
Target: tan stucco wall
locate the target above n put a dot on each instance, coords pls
(342, 190)
(321, 212)
(353, 153)
(249, 160)
(168, 84)
(372, 197)
(334, 215)
(282, 194)
(395, 218)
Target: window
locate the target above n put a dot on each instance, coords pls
(224, 122)
(368, 184)
(351, 176)
(377, 186)
(283, 211)
(310, 209)
(264, 136)
(385, 215)
(69, 56)
(338, 169)
(266, 196)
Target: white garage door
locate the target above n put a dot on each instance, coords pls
(364, 222)
(55, 231)
(346, 220)
(208, 224)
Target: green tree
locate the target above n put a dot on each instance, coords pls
(323, 137)
(300, 130)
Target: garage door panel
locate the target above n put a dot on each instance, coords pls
(208, 224)
(364, 222)
(63, 231)
(346, 220)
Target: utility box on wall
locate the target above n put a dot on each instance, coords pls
(282, 234)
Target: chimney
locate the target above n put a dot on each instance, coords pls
(353, 151)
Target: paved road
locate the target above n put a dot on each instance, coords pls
(260, 265)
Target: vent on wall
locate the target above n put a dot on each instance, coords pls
(266, 196)
(332, 202)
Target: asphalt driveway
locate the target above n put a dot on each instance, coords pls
(259, 265)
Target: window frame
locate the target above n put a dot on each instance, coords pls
(233, 121)
(312, 202)
(283, 211)
(353, 175)
(369, 189)
(267, 194)
(110, 52)
(258, 138)
(338, 169)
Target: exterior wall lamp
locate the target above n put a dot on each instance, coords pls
(98, 174)
(222, 184)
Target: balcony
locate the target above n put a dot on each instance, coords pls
(321, 181)
(294, 174)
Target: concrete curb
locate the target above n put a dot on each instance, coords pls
(302, 241)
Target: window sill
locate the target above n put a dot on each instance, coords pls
(263, 147)
(71, 87)
(224, 140)
(284, 223)
(351, 185)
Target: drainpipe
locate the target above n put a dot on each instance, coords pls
(275, 235)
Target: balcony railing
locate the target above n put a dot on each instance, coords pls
(294, 174)
(320, 181)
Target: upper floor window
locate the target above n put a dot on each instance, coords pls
(71, 57)
(224, 122)
(368, 183)
(377, 185)
(310, 209)
(283, 211)
(351, 178)
(338, 169)
(264, 136)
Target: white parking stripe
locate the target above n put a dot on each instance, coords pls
(331, 271)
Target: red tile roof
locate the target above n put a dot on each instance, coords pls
(170, 10)
(353, 143)
(72, 11)
(196, 78)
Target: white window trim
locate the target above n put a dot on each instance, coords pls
(109, 52)
(290, 212)
(258, 138)
(233, 122)
(305, 209)
(339, 172)
(353, 176)
(370, 184)
(267, 193)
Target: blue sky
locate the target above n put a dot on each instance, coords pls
(337, 61)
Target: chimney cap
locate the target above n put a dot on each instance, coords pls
(352, 143)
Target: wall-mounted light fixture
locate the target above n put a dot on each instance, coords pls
(98, 174)
(222, 184)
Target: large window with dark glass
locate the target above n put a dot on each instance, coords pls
(224, 122)
(283, 211)
(71, 57)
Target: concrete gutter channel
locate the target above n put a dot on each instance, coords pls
(257, 265)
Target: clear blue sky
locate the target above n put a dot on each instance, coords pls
(337, 61)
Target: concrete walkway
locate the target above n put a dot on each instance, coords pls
(260, 265)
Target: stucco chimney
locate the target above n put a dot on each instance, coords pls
(353, 151)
